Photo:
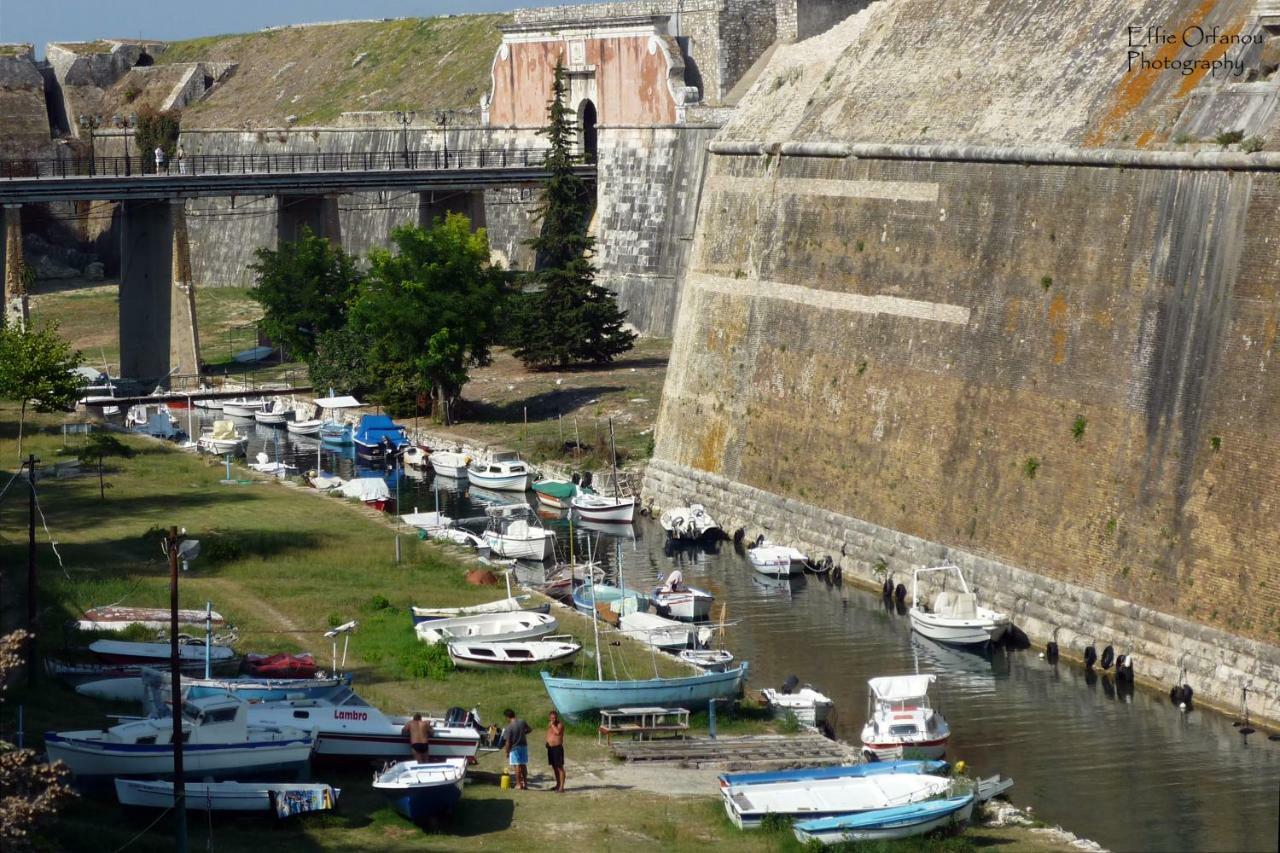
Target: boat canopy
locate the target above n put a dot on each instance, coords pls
(366, 489)
(897, 688)
(224, 431)
(338, 403)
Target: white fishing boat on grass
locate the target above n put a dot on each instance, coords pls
(450, 463)
(285, 799)
(218, 740)
(513, 654)
(510, 604)
(242, 407)
(515, 531)
(494, 627)
(128, 652)
(662, 633)
(810, 798)
(888, 824)
(117, 618)
(776, 560)
(501, 470)
(900, 718)
(707, 660)
(954, 617)
(690, 523)
(808, 706)
(422, 790)
(223, 438)
(274, 413)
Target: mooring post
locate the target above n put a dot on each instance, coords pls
(711, 719)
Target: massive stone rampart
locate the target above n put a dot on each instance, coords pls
(1058, 372)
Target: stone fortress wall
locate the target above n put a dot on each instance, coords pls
(1020, 322)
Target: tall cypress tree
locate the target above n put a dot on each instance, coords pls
(566, 318)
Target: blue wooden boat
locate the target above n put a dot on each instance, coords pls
(905, 821)
(377, 437)
(422, 790)
(841, 771)
(620, 599)
(575, 696)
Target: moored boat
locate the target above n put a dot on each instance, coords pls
(708, 660)
(223, 438)
(776, 560)
(450, 463)
(809, 707)
(662, 633)
(590, 598)
(576, 696)
(421, 791)
(372, 491)
(334, 429)
(954, 617)
(515, 531)
(283, 798)
(555, 493)
(416, 456)
(125, 652)
(895, 822)
(900, 718)
(378, 437)
(501, 470)
(618, 509)
(494, 627)
(512, 654)
(242, 407)
(747, 805)
(689, 523)
(115, 618)
(677, 600)
(937, 768)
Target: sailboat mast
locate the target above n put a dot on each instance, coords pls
(595, 614)
(613, 447)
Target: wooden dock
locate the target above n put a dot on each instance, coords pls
(764, 752)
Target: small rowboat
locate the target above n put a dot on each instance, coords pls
(810, 707)
(887, 824)
(83, 673)
(284, 798)
(421, 791)
(601, 508)
(280, 666)
(511, 655)
(776, 560)
(493, 627)
(502, 605)
(747, 805)
(122, 652)
(708, 660)
(555, 493)
(120, 618)
(241, 407)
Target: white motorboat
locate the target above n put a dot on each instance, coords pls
(115, 618)
(777, 561)
(242, 407)
(304, 422)
(662, 633)
(810, 707)
(150, 687)
(415, 457)
(347, 727)
(689, 523)
(515, 531)
(708, 660)
(601, 508)
(512, 654)
(218, 740)
(264, 465)
(431, 522)
(900, 718)
(676, 600)
(955, 617)
(128, 652)
(274, 413)
(283, 798)
(156, 422)
(510, 604)
(493, 627)
(812, 798)
(450, 463)
(223, 438)
(502, 470)
(335, 429)
(422, 791)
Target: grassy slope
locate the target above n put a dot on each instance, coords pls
(422, 64)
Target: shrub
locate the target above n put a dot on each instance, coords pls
(1228, 137)
(1252, 145)
(427, 660)
(221, 549)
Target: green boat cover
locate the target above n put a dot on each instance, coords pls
(556, 489)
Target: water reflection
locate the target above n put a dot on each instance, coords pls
(1122, 767)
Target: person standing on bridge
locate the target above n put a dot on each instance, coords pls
(181, 157)
(159, 160)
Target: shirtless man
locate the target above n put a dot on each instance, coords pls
(555, 749)
(418, 731)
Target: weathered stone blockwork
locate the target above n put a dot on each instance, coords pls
(1066, 369)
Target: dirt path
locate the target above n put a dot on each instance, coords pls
(241, 598)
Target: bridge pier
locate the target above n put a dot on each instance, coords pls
(15, 281)
(317, 212)
(184, 331)
(434, 204)
(146, 288)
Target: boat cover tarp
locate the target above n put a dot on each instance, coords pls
(556, 488)
(224, 431)
(366, 489)
(338, 403)
(897, 688)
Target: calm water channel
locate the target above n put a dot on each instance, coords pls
(1124, 769)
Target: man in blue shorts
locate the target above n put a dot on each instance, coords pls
(516, 743)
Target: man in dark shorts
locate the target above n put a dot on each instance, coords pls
(516, 744)
(555, 749)
(418, 731)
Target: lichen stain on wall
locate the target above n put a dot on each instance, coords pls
(1058, 327)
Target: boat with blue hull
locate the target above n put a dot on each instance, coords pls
(378, 437)
(888, 824)
(576, 696)
(619, 600)
(422, 790)
(839, 772)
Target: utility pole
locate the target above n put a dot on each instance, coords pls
(31, 570)
(175, 676)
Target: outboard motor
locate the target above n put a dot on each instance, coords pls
(576, 478)
(586, 479)
(790, 685)
(759, 540)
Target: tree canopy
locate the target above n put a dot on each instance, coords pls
(565, 317)
(36, 368)
(304, 288)
(426, 312)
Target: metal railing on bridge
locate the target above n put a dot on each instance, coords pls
(283, 163)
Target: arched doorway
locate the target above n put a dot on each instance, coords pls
(587, 129)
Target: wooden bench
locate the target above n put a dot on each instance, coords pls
(642, 722)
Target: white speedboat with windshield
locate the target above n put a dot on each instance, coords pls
(900, 720)
(954, 616)
(515, 532)
(502, 470)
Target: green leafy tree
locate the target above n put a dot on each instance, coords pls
(341, 362)
(566, 317)
(426, 313)
(99, 446)
(157, 129)
(36, 367)
(304, 288)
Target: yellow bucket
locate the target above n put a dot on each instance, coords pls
(505, 782)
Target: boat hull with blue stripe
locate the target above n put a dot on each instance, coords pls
(575, 696)
(422, 790)
(888, 824)
(378, 437)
